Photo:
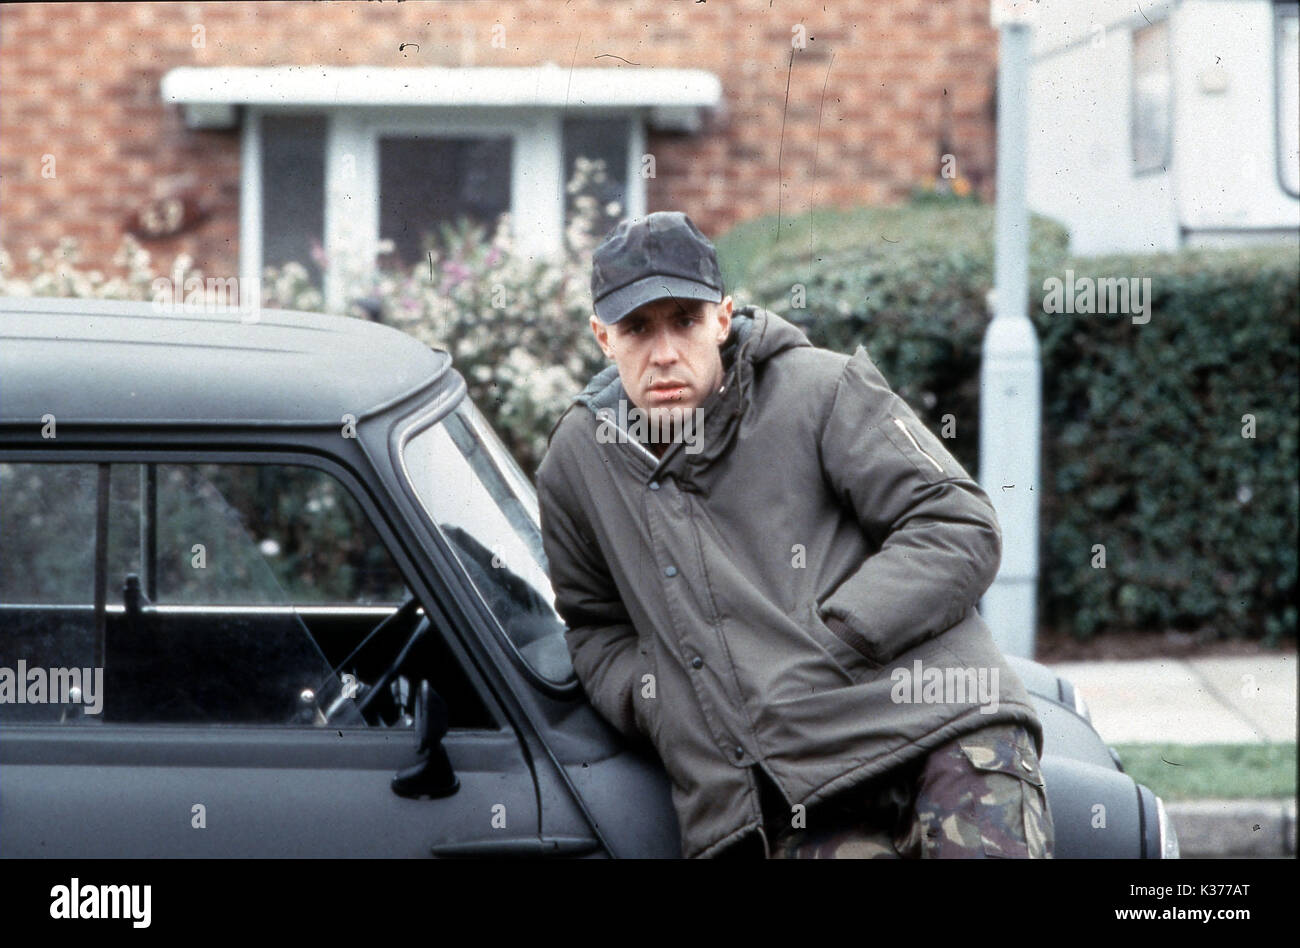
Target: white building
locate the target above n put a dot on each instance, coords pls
(1159, 125)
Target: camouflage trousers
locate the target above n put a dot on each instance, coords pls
(979, 796)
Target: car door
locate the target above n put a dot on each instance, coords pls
(194, 653)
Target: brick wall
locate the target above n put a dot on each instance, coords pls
(869, 99)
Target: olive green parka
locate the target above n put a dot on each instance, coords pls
(795, 592)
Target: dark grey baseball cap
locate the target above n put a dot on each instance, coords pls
(649, 258)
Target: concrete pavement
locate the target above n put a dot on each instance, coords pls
(1216, 700)
(1226, 700)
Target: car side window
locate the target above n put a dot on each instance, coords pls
(279, 534)
(47, 512)
(212, 594)
(47, 572)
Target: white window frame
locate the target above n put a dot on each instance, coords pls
(352, 188)
(1161, 164)
(528, 103)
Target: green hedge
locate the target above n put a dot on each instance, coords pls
(1145, 450)
(1142, 422)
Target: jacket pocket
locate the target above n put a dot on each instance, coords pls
(1009, 794)
(855, 665)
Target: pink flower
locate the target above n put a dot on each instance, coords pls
(457, 270)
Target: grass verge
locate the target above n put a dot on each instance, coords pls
(1213, 771)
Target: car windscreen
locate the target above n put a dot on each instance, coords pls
(475, 492)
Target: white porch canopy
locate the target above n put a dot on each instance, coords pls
(673, 98)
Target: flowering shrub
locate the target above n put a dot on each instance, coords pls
(58, 273)
(515, 326)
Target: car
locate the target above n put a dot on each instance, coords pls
(271, 586)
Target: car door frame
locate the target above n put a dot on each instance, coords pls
(162, 754)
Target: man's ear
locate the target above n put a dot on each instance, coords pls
(601, 332)
(723, 312)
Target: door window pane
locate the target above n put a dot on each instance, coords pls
(47, 590)
(234, 594)
(293, 191)
(605, 140)
(428, 181)
(47, 531)
(245, 533)
(233, 551)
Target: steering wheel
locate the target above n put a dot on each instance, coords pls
(382, 682)
(401, 617)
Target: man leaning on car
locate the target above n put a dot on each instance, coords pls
(779, 593)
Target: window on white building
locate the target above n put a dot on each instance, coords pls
(426, 182)
(1287, 47)
(419, 182)
(1151, 98)
(293, 192)
(609, 140)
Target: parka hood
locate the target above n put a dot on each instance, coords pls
(756, 335)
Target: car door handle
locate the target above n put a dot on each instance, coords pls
(520, 846)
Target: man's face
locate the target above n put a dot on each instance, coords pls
(667, 352)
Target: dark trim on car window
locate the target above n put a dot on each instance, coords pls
(149, 529)
(101, 561)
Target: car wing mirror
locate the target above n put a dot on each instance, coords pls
(431, 776)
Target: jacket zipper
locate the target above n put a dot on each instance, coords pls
(902, 427)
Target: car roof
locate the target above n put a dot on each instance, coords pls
(115, 361)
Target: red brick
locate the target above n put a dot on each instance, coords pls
(81, 80)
